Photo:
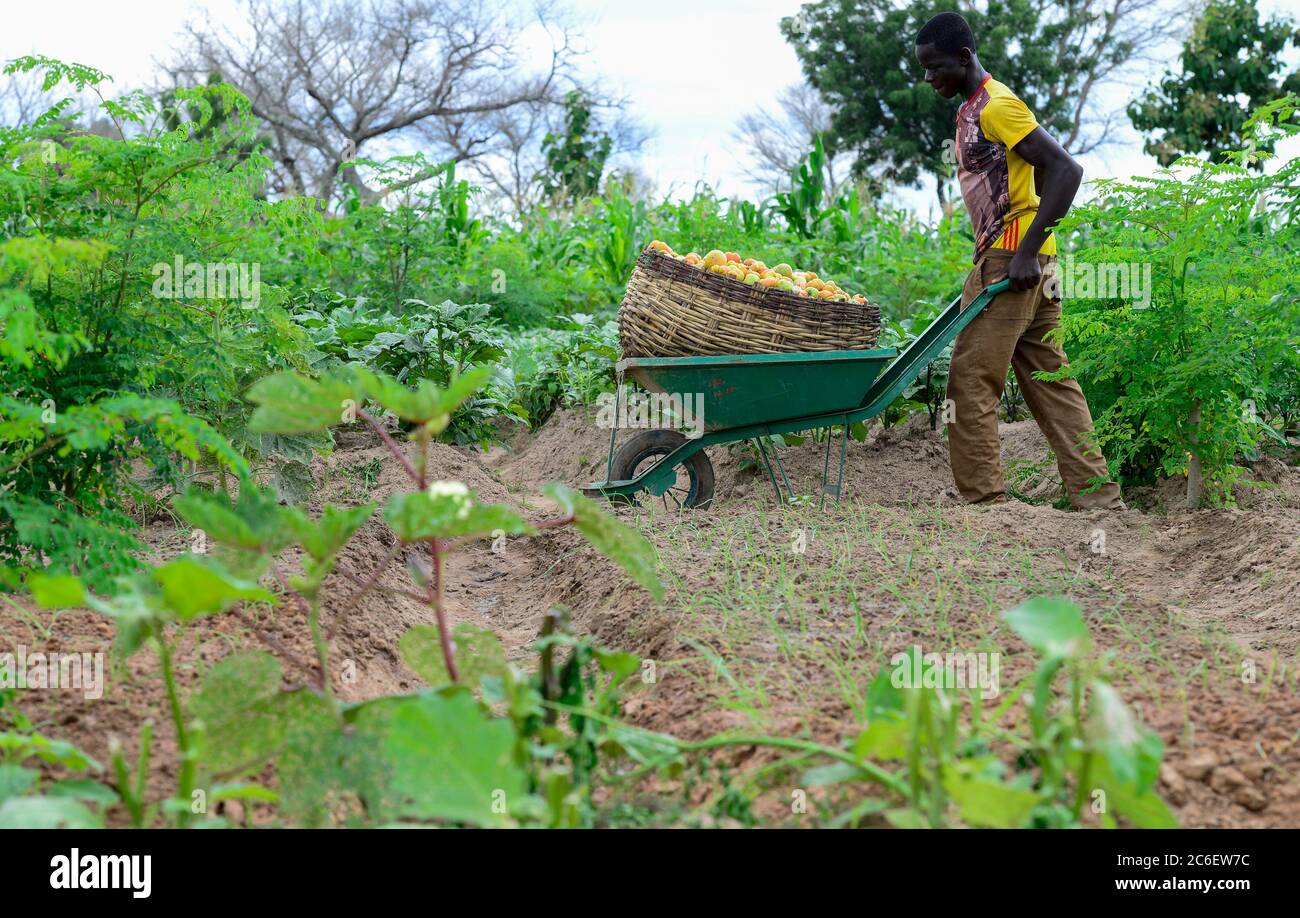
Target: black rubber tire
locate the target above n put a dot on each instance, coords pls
(650, 443)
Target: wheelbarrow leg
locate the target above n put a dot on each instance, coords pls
(826, 470)
(613, 428)
(844, 452)
(826, 465)
(761, 441)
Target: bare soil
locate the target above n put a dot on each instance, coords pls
(1185, 602)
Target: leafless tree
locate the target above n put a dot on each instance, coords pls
(779, 137)
(1123, 41)
(511, 165)
(22, 98)
(333, 80)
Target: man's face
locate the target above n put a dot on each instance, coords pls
(944, 71)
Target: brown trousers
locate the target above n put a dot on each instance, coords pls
(1009, 334)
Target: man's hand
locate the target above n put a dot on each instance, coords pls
(1024, 272)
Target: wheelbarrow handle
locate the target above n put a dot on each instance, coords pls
(917, 355)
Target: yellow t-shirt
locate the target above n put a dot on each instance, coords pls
(996, 183)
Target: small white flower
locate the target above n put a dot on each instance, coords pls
(447, 489)
(457, 493)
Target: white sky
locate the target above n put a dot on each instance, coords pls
(690, 69)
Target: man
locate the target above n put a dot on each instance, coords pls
(999, 148)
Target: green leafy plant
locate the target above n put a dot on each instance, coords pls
(803, 205)
(931, 761)
(89, 355)
(1173, 382)
(565, 366)
(425, 342)
(1085, 751)
(575, 158)
(440, 755)
(31, 800)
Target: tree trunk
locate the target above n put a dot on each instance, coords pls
(1194, 484)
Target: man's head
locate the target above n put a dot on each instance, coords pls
(945, 47)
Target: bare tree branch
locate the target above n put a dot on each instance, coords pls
(780, 136)
(336, 79)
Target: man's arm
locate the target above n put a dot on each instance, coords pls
(1059, 182)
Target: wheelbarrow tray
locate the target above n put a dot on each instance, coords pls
(751, 396)
(743, 389)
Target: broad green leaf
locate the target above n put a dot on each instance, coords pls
(621, 544)
(133, 610)
(213, 514)
(191, 589)
(1051, 625)
(884, 739)
(883, 697)
(989, 804)
(618, 663)
(294, 481)
(274, 524)
(1132, 751)
(299, 447)
(46, 813)
(426, 403)
(255, 521)
(290, 403)
(418, 406)
(1144, 810)
(834, 773)
(15, 780)
(322, 538)
(242, 791)
(238, 702)
(449, 510)
(57, 591)
(463, 386)
(641, 746)
(328, 774)
(84, 789)
(905, 818)
(452, 761)
(478, 654)
(22, 746)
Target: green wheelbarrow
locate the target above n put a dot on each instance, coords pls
(753, 396)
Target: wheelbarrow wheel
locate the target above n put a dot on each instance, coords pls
(693, 489)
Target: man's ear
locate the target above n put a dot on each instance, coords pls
(964, 55)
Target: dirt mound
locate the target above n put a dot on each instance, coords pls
(569, 448)
(1272, 484)
(367, 471)
(1213, 584)
(482, 586)
(903, 465)
(1235, 568)
(897, 465)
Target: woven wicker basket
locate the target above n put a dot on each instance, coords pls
(672, 309)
